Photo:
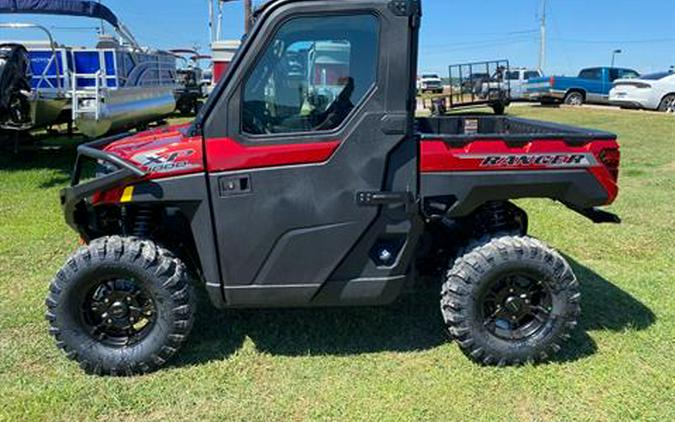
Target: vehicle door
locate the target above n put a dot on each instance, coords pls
(314, 117)
(515, 82)
(593, 82)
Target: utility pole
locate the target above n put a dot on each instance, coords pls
(542, 42)
(248, 15)
(216, 17)
(212, 34)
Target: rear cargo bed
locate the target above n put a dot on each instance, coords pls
(466, 161)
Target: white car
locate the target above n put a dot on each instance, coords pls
(650, 92)
(430, 82)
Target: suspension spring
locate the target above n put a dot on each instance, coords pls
(143, 222)
(496, 215)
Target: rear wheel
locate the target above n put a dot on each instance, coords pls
(574, 98)
(668, 104)
(186, 106)
(510, 300)
(120, 306)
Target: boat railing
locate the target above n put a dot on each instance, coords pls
(44, 77)
(91, 96)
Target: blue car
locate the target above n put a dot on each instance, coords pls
(591, 86)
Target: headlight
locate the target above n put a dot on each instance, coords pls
(104, 168)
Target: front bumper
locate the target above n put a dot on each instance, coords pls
(432, 87)
(73, 198)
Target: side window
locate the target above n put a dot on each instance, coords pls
(595, 74)
(614, 74)
(532, 74)
(513, 75)
(313, 74)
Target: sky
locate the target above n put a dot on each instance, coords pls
(581, 33)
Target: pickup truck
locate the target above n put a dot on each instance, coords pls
(591, 86)
(272, 198)
(430, 82)
(518, 79)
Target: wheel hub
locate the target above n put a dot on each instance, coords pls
(516, 307)
(513, 304)
(118, 312)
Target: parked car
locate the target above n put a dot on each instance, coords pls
(430, 82)
(591, 86)
(518, 78)
(651, 92)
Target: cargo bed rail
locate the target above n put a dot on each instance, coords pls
(460, 130)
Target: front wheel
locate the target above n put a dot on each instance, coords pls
(120, 306)
(510, 300)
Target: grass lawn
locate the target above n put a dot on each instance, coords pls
(391, 363)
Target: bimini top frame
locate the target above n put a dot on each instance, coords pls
(52, 45)
(88, 9)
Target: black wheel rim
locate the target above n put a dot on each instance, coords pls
(118, 312)
(516, 307)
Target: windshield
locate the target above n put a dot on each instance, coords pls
(430, 76)
(657, 76)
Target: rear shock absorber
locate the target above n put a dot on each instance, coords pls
(143, 222)
(499, 216)
(496, 214)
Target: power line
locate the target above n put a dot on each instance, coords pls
(645, 41)
(473, 47)
(499, 35)
(483, 42)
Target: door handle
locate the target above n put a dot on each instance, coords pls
(374, 199)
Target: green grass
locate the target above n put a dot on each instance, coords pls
(391, 363)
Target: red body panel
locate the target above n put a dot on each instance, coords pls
(162, 152)
(169, 152)
(227, 155)
(495, 155)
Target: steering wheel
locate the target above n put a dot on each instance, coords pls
(257, 122)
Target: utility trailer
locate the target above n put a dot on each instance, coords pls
(475, 84)
(274, 197)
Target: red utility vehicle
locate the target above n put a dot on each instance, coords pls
(296, 188)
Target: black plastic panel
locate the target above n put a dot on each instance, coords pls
(472, 189)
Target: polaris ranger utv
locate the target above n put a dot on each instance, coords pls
(306, 180)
